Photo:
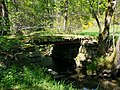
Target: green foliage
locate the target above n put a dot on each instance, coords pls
(30, 13)
(42, 14)
(92, 67)
(30, 77)
(7, 44)
(9, 77)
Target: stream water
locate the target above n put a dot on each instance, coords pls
(82, 82)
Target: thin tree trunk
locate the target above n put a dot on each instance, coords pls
(95, 16)
(103, 36)
(66, 15)
(16, 25)
(4, 19)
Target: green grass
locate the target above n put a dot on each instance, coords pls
(29, 78)
(94, 31)
(54, 32)
(91, 31)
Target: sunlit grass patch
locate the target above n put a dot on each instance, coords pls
(89, 33)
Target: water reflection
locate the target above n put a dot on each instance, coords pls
(89, 89)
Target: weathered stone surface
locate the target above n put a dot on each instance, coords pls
(28, 48)
(47, 62)
(68, 52)
(20, 56)
(87, 51)
(34, 54)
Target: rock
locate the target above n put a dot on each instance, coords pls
(52, 72)
(2, 65)
(116, 88)
(20, 56)
(34, 54)
(29, 48)
(80, 57)
(47, 62)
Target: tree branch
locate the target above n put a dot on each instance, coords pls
(95, 16)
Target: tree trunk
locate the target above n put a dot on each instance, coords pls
(4, 20)
(103, 36)
(95, 16)
(66, 14)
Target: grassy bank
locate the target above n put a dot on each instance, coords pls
(29, 78)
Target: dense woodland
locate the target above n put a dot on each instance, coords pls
(24, 21)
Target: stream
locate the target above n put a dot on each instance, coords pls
(82, 82)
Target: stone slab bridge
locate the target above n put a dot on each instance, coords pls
(68, 50)
(72, 46)
(60, 39)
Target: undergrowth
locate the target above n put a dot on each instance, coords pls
(29, 78)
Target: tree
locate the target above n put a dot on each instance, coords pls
(31, 14)
(65, 14)
(104, 35)
(4, 19)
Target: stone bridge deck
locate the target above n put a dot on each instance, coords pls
(60, 39)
